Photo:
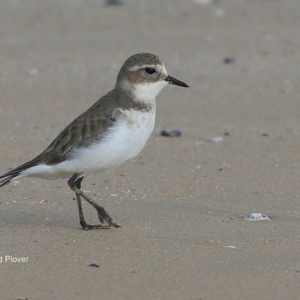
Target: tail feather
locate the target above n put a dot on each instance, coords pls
(11, 175)
(6, 180)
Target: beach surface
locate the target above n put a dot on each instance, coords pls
(183, 200)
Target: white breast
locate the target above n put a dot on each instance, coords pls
(123, 141)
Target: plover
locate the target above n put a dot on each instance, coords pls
(112, 131)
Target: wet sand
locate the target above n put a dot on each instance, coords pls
(182, 201)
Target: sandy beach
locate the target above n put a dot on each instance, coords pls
(183, 200)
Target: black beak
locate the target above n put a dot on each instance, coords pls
(171, 80)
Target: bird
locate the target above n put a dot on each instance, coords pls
(112, 131)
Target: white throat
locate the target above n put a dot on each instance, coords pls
(148, 90)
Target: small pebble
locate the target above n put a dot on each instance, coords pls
(257, 217)
(228, 60)
(94, 265)
(113, 2)
(230, 247)
(264, 134)
(203, 1)
(217, 139)
(171, 133)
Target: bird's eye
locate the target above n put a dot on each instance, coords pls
(150, 71)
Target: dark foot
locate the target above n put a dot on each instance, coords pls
(104, 217)
(98, 226)
(114, 224)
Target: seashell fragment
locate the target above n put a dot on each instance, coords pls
(257, 217)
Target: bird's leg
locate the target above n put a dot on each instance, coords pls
(75, 184)
(81, 216)
(102, 214)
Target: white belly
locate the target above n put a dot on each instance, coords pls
(124, 141)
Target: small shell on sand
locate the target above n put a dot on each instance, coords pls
(257, 217)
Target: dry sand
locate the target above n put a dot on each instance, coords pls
(181, 203)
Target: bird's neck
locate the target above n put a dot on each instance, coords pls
(129, 99)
